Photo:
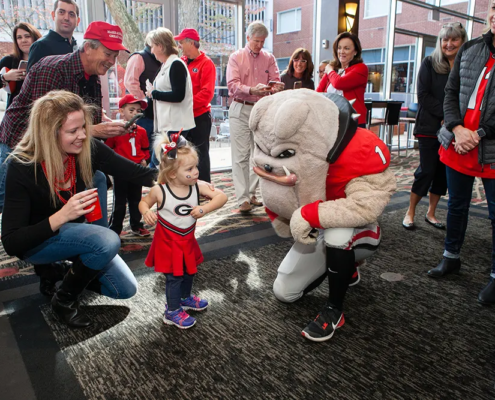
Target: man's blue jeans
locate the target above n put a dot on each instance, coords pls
(97, 247)
(460, 192)
(147, 124)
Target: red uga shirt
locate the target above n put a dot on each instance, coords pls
(468, 163)
(134, 145)
(365, 154)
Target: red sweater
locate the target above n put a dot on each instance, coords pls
(353, 84)
(203, 76)
(468, 164)
(134, 145)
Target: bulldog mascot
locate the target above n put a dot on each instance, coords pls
(324, 182)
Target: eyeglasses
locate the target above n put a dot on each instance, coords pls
(301, 61)
(453, 25)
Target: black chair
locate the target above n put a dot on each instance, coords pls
(392, 116)
(369, 106)
(410, 120)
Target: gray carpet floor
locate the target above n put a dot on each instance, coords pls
(405, 337)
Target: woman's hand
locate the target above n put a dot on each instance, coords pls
(74, 208)
(198, 212)
(328, 69)
(465, 139)
(143, 163)
(15, 75)
(150, 217)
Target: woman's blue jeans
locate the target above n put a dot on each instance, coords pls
(97, 247)
(460, 192)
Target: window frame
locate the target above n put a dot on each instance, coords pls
(399, 10)
(295, 9)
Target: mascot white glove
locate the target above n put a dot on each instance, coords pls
(302, 231)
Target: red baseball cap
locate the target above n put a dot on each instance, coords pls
(109, 35)
(130, 99)
(188, 33)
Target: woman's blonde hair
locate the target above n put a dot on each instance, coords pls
(451, 30)
(165, 38)
(41, 141)
(169, 166)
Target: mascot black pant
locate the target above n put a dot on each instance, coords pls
(340, 268)
(341, 265)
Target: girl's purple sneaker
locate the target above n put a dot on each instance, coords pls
(179, 318)
(193, 303)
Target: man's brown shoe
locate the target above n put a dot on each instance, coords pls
(255, 202)
(245, 207)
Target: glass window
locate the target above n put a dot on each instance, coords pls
(37, 12)
(289, 21)
(375, 78)
(401, 54)
(283, 63)
(379, 8)
(372, 56)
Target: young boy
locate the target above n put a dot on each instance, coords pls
(135, 147)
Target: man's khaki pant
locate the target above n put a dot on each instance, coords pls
(242, 145)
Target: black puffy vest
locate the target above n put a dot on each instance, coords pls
(151, 68)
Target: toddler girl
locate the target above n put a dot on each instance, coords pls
(174, 250)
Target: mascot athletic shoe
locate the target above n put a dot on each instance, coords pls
(324, 325)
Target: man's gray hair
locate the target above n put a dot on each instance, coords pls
(257, 28)
(93, 44)
(194, 42)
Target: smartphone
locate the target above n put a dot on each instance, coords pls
(273, 83)
(23, 64)
(133, 120)
(298, 85)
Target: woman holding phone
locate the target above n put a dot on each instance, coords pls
(299, 72)
(49, 195)
(13, 67)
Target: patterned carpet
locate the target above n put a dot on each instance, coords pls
(409, 337)
(226, 219)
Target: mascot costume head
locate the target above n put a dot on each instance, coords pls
(324, 182)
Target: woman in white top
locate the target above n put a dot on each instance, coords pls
(172, 89)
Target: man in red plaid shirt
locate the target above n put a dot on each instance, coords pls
(76, 72)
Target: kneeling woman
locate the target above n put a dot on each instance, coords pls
(48, 193)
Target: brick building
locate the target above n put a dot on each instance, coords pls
(292, 28)
(298, 31)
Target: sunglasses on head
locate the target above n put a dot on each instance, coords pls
(452, 25)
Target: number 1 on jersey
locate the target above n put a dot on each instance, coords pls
(132, 141)
(380, 153)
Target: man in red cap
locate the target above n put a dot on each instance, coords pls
(203, 76)
(134, 146)
(75, 72)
